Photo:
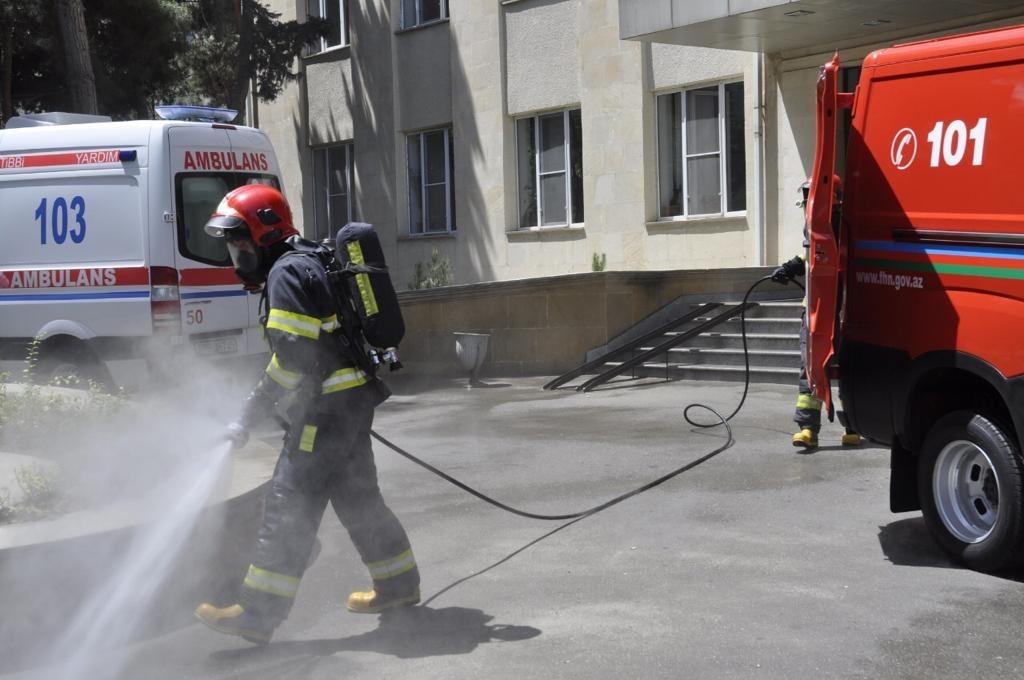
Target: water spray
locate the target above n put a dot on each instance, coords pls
(111, 614)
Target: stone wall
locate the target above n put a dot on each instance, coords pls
(545, 326)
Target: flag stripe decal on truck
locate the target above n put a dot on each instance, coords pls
(945, 259)
(953, 250)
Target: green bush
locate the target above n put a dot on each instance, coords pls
(598, 263)
(44, 418)
(434, 273)
(32, 416)
(41, 495)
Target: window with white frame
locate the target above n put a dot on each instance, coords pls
(332, 190)
(702, 151)
(419, 12)
(336, 12)
(549, 151)
(431, 186)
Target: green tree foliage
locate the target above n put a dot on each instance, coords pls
(29, 48)
(133, 48)
(237, 43)
(148, 52)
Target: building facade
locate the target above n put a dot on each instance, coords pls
(526, 138)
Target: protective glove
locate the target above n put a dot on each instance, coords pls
(237, 434)
(789, 270)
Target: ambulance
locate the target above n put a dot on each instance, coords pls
(916, 291)
(106, 273)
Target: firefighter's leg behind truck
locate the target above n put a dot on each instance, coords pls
(807, 415)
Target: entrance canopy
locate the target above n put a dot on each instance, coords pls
(799, 26)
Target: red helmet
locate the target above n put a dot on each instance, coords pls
(259, 207)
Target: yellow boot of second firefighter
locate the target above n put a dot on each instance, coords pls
(372, 602)
(852, 439)
(806, 439)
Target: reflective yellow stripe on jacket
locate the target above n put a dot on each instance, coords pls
(343, 379)
(300, 324)
(294, 324)
(287, 379)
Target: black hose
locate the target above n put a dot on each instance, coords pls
(571, 515)
(746, 362)
(629, 494)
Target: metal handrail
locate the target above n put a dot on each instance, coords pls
(611, 355)
(663, 347)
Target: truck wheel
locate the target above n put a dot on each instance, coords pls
(971, 486)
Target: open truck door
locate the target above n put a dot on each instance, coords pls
(823, 266)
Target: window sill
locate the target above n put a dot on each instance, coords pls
(427, 236)
(677, 224)
(575, 230)
(330, 54)
(426, 24)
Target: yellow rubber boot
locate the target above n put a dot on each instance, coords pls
(372, 602)
(806, 439)
(234, 620)
(852, 439)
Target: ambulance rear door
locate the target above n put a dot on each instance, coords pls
(218, 317)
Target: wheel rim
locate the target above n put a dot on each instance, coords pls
(965, 487)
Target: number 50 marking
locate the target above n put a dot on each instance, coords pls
(950, 141)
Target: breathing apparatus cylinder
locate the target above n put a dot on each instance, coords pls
(363, 277)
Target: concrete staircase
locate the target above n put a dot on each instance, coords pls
(773, 342)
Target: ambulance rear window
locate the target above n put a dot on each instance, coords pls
(197, 196)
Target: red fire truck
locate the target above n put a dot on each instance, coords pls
(916, 291)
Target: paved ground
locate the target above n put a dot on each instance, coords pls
(760, 563)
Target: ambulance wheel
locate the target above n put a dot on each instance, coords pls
(971, 486)
(68, 365)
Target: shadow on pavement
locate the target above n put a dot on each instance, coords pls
(405, 633)
(906, 542)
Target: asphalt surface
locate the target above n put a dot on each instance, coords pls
(758, 563)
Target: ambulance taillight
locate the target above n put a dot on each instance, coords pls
(165, 299)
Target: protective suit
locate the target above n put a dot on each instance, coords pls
(327, 456)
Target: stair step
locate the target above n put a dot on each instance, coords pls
(773, 346)
(779, 376)
(755, 341)
(688, 355)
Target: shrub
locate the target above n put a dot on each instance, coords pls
(434, 273)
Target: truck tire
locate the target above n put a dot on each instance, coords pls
(971, 485)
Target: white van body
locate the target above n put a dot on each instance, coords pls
(103, 257)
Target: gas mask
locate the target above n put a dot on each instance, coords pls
(250, 261)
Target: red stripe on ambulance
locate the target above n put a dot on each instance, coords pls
(94, 277)
(212, 276)
(44, 160)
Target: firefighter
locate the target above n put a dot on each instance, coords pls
(327, 455)
(807, 415)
